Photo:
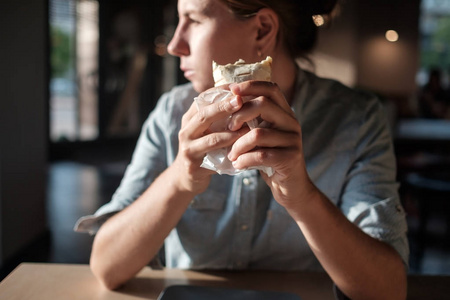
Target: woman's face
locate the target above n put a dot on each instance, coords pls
(207, 31)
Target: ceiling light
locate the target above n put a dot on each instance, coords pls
(392, 36)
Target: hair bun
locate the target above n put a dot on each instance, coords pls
(320, 7)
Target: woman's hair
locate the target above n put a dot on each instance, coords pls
(297, 28)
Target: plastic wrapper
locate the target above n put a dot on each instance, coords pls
(217, 160)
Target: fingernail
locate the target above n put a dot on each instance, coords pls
(234, 87)
(234, 164)
(234, 102)
(230, 157)
(230, 125)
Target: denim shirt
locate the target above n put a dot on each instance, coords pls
(236, 223)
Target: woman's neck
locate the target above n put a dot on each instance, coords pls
(284, 73)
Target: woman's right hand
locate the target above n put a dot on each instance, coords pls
(195, 140)
(131, 238)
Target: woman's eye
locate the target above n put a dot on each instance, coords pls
(193, 20)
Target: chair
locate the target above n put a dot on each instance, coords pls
(430, 193)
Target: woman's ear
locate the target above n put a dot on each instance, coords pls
(268, 27)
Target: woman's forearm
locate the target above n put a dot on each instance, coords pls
(131, 238)
(361, 266)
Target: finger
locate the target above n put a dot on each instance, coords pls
(264, 138)
(188, 115)
(269, 157)
(261, 88)
(263, 108)
(197, 120)
(214, 141)
(216, 111)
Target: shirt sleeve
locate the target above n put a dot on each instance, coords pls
(148, 161)
(370, 196)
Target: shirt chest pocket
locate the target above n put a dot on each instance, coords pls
(200, 223)
(209, 200)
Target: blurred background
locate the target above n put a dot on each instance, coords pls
(79, 77)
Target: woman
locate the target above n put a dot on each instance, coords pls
(332, 201)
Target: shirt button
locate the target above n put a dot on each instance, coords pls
(246, 181)
(244, 227)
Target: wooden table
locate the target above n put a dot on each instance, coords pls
(58, 281)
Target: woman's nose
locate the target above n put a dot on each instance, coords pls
(178, 46)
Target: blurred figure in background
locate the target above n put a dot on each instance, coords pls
(434, 99)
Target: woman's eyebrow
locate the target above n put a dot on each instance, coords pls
(204, 10)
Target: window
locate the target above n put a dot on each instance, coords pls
(435, 39)
(74, 33)
(108, 67)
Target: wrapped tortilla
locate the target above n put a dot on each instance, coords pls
(225, 74)
(240, 71)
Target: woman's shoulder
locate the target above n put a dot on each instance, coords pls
(174, 103)
(337, 90)
(180, 96)
(325, 93)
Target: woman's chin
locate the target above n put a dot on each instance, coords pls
(201, 86)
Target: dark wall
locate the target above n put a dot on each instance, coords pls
(23, 123)
(385, 67)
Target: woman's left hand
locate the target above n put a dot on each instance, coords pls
(341, 247)
(278, 146)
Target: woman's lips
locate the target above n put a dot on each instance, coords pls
(188, 73)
